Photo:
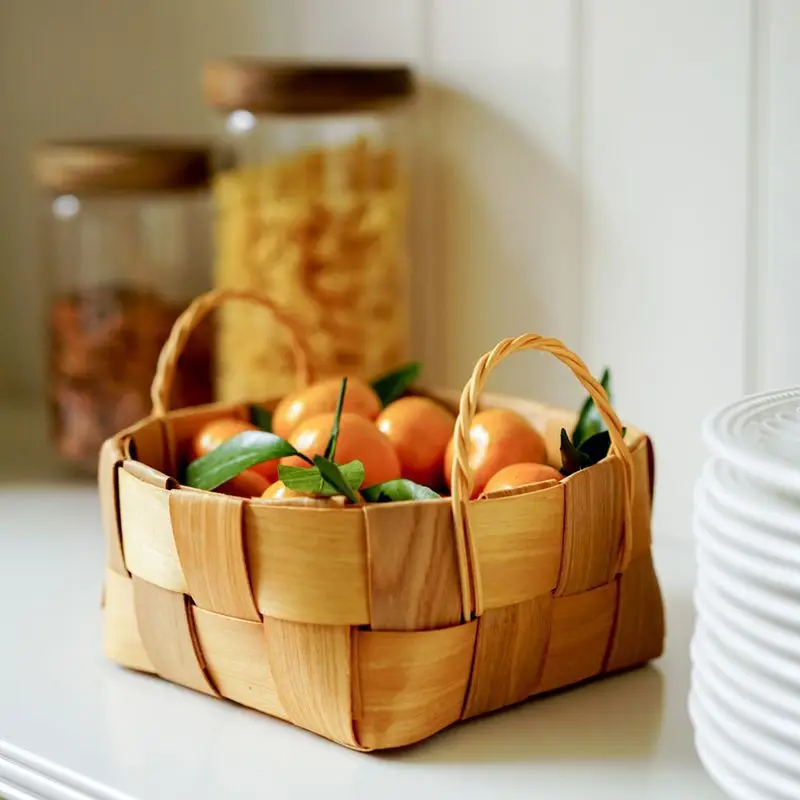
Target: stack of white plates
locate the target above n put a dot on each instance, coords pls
(745, 690)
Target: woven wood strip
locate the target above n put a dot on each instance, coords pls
(311, 667)
(308, 564)
(208, 538)
(167, 632)
(411, 684)
(236, 658)
(509, 655)
(109, 461)
(145, 442)
(517, 541)
(148, 474)
(594, 520)
(639, 631)
(643, 497)
(147, 536)
(461, 474)
(194, 314)
(413, 567)
(579, 637)
(121, 640)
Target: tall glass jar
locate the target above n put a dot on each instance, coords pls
(311, 195)
(126, 246)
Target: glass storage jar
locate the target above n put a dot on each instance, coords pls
(311, 194)
(127, 245)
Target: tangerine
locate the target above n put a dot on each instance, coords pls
(360, 398)
(280, 491)
(247, 483)
(521, 474)
(214, 433)
(498, 437)
(419, 429)
(358, 439)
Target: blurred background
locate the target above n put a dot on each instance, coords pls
(619, 174)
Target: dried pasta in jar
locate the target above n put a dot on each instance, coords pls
(311, 209)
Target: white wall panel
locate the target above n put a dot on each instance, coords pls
(508, 185)
(377, 30)
(666, 230)
(777, 252)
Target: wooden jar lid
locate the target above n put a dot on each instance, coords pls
(119, 166)
(287, 87)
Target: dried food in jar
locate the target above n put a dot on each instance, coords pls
(105, 343)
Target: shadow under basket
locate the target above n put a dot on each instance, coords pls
(378, 625)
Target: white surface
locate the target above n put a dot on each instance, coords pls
(621, 173)
(64, 707)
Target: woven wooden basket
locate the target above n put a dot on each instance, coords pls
(378, 625)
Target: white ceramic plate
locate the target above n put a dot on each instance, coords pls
(746, 680)
(750, 559)
(752, 583)
(774, 726)
(737, 769)
(737, 787)
(755, 528)
(741, 646)
(741, 496)
(770, 616)
(760, 435)
(775, 755)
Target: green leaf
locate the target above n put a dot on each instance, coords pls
(309, 480)
(590, 451)
(572, 459)
(595, 448)
(333, 475)
(589, 420)
(397, 490)
(237, 454)
(330, 448)
(392, 385)
(261, 417)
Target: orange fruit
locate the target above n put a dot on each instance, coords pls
(419, 428)
(358, 439)
(498, 438)
(360, 398)
(521, 474)
(279, 491)
(247, 483)
(214, 433)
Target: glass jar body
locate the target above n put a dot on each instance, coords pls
(122, 268)
(312, 212)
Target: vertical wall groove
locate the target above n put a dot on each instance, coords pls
(579, 58)
(758, 137)
(432, 345)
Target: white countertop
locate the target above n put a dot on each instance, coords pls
(73, 725)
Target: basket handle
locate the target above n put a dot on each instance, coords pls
(462, 478)
(192, 316)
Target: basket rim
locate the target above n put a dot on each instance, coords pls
(488, 400)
